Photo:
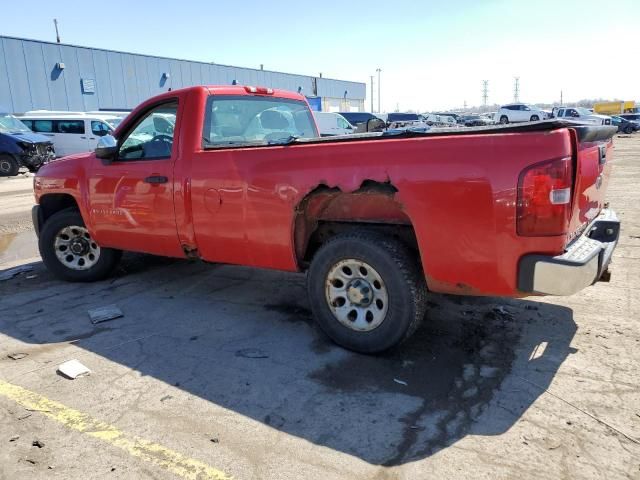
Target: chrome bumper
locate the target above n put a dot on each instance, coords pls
(582, 264)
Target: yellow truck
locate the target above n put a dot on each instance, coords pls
(615, 108)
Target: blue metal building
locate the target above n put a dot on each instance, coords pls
(36, 75)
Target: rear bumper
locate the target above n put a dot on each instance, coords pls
(583, 263)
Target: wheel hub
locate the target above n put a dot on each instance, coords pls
(356, 295)
(359, 293)
(79, 246)
(75, 248)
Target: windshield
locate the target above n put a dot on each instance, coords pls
(250, 120)
(10, 124)
(583, 111)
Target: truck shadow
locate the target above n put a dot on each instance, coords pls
(243, 339)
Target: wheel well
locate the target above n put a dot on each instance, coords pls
(326, 212)
(54, 203)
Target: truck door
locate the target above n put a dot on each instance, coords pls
(131, 198)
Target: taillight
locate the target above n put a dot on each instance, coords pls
(544, 198)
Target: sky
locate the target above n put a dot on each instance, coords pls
(432, 54)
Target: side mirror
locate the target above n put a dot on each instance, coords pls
(107, 148)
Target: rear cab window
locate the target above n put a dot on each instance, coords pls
(247, 120)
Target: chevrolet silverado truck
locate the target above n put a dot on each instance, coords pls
(239, 175)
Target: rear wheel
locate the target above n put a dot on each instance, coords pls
(534, 118)
(628, 129)
(69, 252)
(366, 291)
(504, 119)
(9, 166)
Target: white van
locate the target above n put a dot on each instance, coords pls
(70, 132)
(330, 124)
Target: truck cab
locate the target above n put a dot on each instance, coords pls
(580, 114)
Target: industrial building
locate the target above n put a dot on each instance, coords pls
(37, 75)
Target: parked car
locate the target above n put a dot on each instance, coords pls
(490, 116)
(633, 117)
(455, 116)
(439, 120)
(580, 114)
(332, 124)
(519, 112)
(475, 121)
(377, 220)
(397, 120)
(20, 147)
(358, 118)
(71, 132)
(624, 125)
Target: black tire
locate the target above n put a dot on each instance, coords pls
(402, 278)
(9, 166)
(628, 130)
(106, 260)
(504, 119)
(534, 118)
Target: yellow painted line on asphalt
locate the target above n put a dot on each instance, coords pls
(154, 453)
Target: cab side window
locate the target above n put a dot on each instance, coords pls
(43, 126)
(152, 137)
(100, 129)
(69, 126)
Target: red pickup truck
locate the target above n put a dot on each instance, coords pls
(239, 175)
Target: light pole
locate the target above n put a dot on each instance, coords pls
(378, 70)
(371, 93)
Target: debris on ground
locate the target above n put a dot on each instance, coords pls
(103, 314)
(14, 438)
(251, 353)
(12, 272)
(215, 440)
(22, 417)
(73, 369)
(166, 397)
(401, 382)
(17, 355)
(37, 443)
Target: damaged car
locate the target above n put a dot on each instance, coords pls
(20, 147)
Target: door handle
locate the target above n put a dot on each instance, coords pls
(154, 179)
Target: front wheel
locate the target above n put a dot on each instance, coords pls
(9, 166)
(534, 118)
(69, 252)
(628, 130)
(367, 291)
(504, 119)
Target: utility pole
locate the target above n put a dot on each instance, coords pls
(516, 89)
(378, 70)
(55, 23)
(465, 104)
(561, 98)
(485, 92)
(371, 93)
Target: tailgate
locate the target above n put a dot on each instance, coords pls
(593, 147)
